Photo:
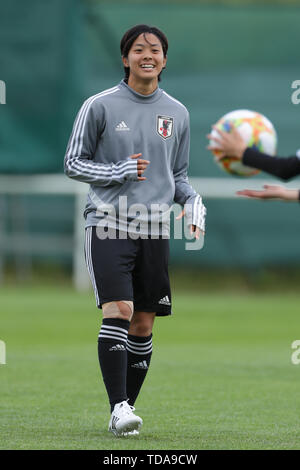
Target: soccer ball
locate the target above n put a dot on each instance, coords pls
(257, 131)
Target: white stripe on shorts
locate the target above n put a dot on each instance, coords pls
(89, 262)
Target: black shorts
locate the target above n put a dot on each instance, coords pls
(127, 269)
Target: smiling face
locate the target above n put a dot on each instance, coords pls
(145, 59)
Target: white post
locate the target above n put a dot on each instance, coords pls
(80, 275)
(2, 92)
(2, 352)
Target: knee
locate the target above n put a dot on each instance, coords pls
(141, 326)
(122, 309)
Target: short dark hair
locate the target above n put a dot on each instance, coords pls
(134, 32)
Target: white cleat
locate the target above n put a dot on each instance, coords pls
(123, 421)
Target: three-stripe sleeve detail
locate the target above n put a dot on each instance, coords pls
(76, 166)
(78, 131)
(114, 170)
(198, 213)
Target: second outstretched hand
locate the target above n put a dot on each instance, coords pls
(230, 144)
(271, 192)
(141, 165)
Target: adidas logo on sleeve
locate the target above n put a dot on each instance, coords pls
(122, 127)
(165, 301)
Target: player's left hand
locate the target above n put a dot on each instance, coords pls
(230, 144)
(194, 230)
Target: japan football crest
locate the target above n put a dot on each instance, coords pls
(165, 126)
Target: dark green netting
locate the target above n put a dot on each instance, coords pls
(55, 54)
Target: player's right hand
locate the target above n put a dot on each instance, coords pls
(141, 165)
(194, 230)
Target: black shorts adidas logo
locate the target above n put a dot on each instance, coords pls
(165, 301)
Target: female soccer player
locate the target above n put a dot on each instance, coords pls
(232, 145)
(131, 144)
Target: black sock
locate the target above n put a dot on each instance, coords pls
(139, 351)
(113, 358)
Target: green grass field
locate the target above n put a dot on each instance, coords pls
(221, 374)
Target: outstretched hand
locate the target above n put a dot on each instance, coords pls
(271, 192)
(228, 144)
(141, 165)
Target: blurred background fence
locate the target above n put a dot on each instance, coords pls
(222, 56)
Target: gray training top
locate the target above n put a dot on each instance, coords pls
(110, 127)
